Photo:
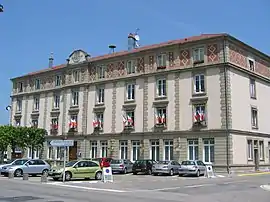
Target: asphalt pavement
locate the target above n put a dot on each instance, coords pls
(142, 187)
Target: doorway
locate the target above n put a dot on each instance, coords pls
(73, 152)
(256, 159)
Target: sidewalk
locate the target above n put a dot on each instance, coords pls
(242, 174)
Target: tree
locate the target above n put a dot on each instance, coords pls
(4, 141)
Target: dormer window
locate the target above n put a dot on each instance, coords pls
(76, 76)
(130, 67)
(198, 55)
(37, 84)
(161, 61)
(251, 64)
(20, 87)
(58, 80)
(101, 71)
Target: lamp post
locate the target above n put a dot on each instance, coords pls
(8, 108)
(1, 8)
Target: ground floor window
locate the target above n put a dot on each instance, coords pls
(168, 150)
(261, 151)
(93, 151)
(208, 150)
(249, 149)
(193, 149)
(33, 153)
(103, 149)
(154, 150)
(59, 152)
(50, 153)
(135, 152)
(123, 150)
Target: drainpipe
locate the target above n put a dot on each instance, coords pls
(226, 108)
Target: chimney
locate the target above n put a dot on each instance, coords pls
(51, 60)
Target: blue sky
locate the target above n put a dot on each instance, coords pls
(31, 29)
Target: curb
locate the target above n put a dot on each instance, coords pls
(254, 174)
(265, 187)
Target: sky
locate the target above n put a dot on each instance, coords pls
(31, 29)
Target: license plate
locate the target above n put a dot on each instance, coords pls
(138, 169)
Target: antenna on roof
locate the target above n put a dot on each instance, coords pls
(51, 60)
(112, 47)
(133, 39)
(1, 8)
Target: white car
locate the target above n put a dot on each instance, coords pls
(12, 162)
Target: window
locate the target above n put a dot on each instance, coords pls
(199, 86)
(75, 98)
(130, 90)
(50, 153)
(154, 151)
(99, 120)
(104, 148)
(161, 115)
(100, 95)
(56, 102)
(252, 87)
(58, 80)
(261, 150)
(254, 118)
(129, 119)
(37, 84)
(76, 76)
(101, 71)
(135, 152)
(130, 67)
(161, 88)
(35, 123)
(73, 122)
(250, 149)
(33, 154)
(123, 149)
(18, 122)
(161, 61)
(193, 150)
(36, 103)
(20, 87)
(93, 149)
(208, 150)
(198, 55)
(251, 64)
(168, 150)
(199, 113)
(54, 123)
(58, 153)
(19, 105)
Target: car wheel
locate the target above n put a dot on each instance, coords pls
(134, 173)
(45, 172)
(180, 175)
(98, 176)
(68, 176)
(18, 173)
(198, 173)
(150, 172)
(55, 178)
(171, 172)
(125, 171)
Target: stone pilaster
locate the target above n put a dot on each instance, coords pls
(200, 148)
(45, 123)
(176, 149)
(25, 120)
(64, 110)
(85, 111)
(183, 149)
(146, 147)
(145, 105)
(129, 149)
(114, 108)
(161, 149)
(177, 101)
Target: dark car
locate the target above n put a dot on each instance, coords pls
(143, 166)
(104, 162)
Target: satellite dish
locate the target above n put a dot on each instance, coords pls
(136, 37)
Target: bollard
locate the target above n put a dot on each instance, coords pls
(44, 178)
(25, 176)
(10, 175)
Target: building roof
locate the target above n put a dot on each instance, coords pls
(141, 49)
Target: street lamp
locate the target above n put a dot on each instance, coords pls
(1, 8)
(8, 108)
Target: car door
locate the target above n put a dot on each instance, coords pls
(31, 167)
(81, 170)
(176, 166)
(129, 166)
(40, 166)
(93, 167)
(201, 166)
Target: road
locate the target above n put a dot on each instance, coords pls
(138, 188)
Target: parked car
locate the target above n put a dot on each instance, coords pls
(104, 162)
(12, 162)
(166, 167)
(32, 167)
(143, 166)
(121, 166)
(197, 168)
(77, 169)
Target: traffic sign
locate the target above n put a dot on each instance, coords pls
(107, 174)
(62, 143)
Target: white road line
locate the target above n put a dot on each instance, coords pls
(90, 188)
(265, 187)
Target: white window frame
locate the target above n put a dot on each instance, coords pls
(123, 149)
(37, 84)
(249, 59)
(100, 93)
(198, 54)
(36, 153)
(20, 87)
(194, 145)
(130, 66)
(168, 147)
(161, 87)
(36, 103)
(50, 151)
(58, 79)
(162, 60)
(252, 88)
(210, 144)
(254, 118)
(58, 153)
(135, 151)
(19, 105)
(101, 71)
(75, 98)
(130, 91)
(56, 101)
(104, 148)
(93, 149)
(76, 76)
(154, 150)
(200, 88)
(249, 149)
(100, 116)
(261, 150)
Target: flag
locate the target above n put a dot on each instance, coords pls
(163, 119)
(72, 123)
(129, 120)
(197, 116)
(125, 122)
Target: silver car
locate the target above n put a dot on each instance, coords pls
(121, 166)
(166, 167)
(189, 167)
(32, 167)
(12, 162)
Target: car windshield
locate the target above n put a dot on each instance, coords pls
(188, 163)
(71, 163)
(9, 161)
(116, 161)
(19, 162)
(164, 162)
(140, 162)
